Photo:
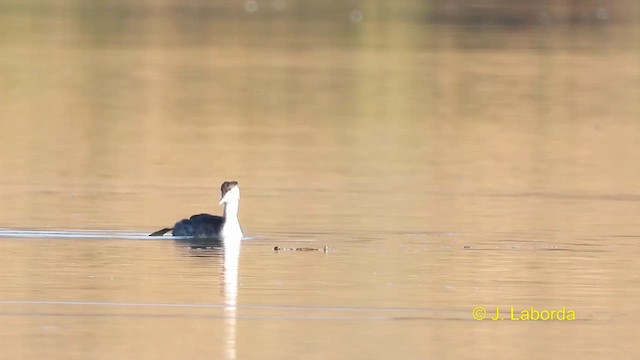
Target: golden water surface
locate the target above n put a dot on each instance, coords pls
(444, 167)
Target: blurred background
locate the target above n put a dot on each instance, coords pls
(115, 108)
(450, 153)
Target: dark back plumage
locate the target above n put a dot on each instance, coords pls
(201, 226)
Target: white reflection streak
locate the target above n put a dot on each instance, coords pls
(231, 259)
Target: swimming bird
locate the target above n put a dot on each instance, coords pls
(206, 226)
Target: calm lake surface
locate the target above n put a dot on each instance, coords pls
(444, 168)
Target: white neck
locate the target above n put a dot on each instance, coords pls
(231, 210)
(231, 229)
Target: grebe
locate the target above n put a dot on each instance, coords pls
(205, 226)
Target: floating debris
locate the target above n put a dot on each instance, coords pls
(280, 248)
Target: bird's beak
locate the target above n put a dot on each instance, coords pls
(224, 198)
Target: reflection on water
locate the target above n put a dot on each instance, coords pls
(230, 254)
(446, 167)
(231, 258)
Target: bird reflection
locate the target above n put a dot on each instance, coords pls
(229, 254)
(211, 248)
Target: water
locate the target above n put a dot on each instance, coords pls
(443, 167)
